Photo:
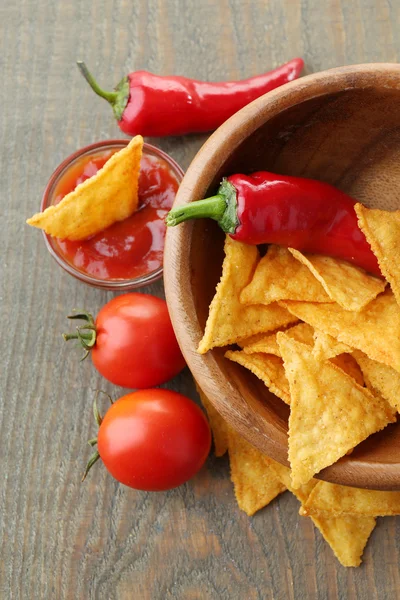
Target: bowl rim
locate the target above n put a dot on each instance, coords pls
(103, 145)
(211, 156)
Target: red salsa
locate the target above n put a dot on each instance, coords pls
(131, 248)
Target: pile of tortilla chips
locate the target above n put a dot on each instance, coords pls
(323, 335)
(109, 196)
(345, 516)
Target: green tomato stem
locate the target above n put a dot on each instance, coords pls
(92, 460)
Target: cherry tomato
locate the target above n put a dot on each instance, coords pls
(154, 439)
(132, 341)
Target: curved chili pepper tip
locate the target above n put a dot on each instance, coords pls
(117, 99)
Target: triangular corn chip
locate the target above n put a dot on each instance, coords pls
(326, 346)
(380, 378)
(347, 535)
(279, 276)
(349, 286)
(382, 230)
(330, 413)
(268, 344)
(340, 499)
(374, 329)
(283, 474)
(229, 320)
(268, 368)
(252, 339)
(109, 196)
(302, 332)
(349, 365)
(218, 425)
(254, 482)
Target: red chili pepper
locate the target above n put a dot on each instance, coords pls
(156, 106)
(264, 208)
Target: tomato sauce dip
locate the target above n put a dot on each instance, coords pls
(127, 249)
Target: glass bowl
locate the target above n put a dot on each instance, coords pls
(49, 199)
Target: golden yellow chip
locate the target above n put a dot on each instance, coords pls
(248, 341)
(279, 276)
(302, 332)
(347, 535)
(374, 329)
(267, 343)
(229, 320)
(330, 413)
(340, 499)
(349, 365)
(380, 378)
(268, 368)
(326, 346)
(109, 196)
(218, 425)
(254, 482)
(382, 230)
(283, 474)
(344, 283)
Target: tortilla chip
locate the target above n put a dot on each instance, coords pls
(279, 276)
(268, 344)
(248, 341)
(109, 196)
(266, 367)
(303, 332)
(347, 535)
(229, 320)
(382, 230)
(349, 365)
(254, 482)
(349, 286)
(218, 425)
(374, 329)
(341, 499)
(330, 413)
(380, 378)
(326, 346)
(283, 474)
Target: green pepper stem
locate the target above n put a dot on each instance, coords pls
(111, 97)
(212, 208)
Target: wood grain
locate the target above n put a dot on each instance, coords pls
(63, 540)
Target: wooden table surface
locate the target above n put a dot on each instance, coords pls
(61, 539)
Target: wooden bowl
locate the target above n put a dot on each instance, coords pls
(341, 126)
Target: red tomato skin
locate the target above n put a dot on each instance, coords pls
(136, 345)
(154, 440)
